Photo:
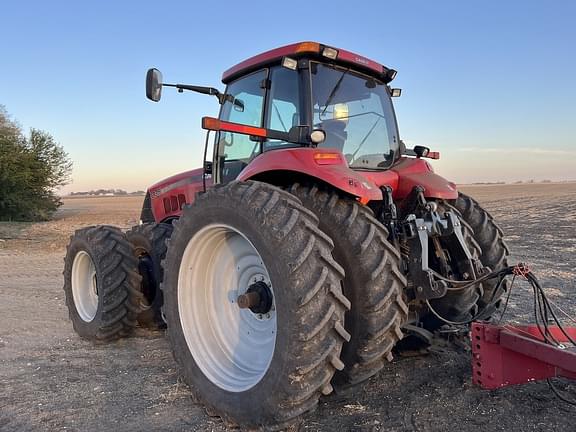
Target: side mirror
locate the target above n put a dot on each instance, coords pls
(153, 84)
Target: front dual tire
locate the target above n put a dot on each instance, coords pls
(268, 363)
(101, 284)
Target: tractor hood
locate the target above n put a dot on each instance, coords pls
(176, 181)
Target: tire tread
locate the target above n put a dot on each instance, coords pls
(379, 295)
(119, 302)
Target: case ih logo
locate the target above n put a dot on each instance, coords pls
(180, 183)
(361, 60)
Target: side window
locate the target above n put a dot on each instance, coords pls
(282, 111)
(248, 108)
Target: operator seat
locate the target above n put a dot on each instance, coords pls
(334, 128)
(336, 134)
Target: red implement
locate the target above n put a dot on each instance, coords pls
(506, 355)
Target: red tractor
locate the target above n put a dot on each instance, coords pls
(295, 260)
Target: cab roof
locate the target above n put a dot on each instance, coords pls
(311, 50)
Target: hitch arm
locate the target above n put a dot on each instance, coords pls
(431, 225)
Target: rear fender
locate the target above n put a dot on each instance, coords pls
(417, 172)
(326, 165)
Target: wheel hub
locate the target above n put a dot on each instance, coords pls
(258, 298)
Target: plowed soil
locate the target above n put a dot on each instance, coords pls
(52, 380)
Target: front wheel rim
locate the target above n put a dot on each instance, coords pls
(233, 347)
(84, 286)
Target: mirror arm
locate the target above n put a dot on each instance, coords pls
(198, 89)
(409, 152)
(222, 97)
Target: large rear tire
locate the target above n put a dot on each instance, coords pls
(149, 241)
(373, 282)
(101, 283)
(495, 251)
(254, 367)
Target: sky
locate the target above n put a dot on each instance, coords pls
(491, 84)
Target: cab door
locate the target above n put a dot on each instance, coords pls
(245, 105)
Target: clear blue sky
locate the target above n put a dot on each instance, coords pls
(491, 85)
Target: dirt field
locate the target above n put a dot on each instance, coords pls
(52, 380)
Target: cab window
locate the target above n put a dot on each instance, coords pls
(282, 111)
(355, 112)
(244, 105)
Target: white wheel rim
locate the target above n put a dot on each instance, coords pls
(84, 288)
(232, 346)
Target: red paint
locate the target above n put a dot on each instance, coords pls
(351, 57)
(188, 183)
(413, 172)
(298, 49)
(381, 178)
(301, 160)
(326, 165)
(410, 172)
(172, 179)
(507, 355)
(265, 57)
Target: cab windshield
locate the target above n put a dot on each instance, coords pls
(355, 112)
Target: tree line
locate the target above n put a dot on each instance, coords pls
(32, 168)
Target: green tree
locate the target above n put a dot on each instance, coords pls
(31, 170)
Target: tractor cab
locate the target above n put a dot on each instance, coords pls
(316, 96)
(301, 96)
